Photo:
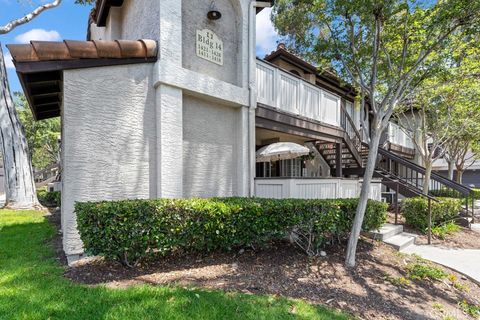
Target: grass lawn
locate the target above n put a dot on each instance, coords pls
(32, 287)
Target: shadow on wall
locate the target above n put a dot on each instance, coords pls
(210, 140)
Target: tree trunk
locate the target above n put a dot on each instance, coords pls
(460, 175)
(19, 183)
(451, 165)
(426, 178)
(362, 203)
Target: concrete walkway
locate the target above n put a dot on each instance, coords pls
(466, 261)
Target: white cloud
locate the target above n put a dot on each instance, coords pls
(8, 60)
(38, 34)
(266, 35)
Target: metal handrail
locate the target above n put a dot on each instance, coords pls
(434, 176)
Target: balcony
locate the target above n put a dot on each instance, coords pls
(287, 92)
(397, 135)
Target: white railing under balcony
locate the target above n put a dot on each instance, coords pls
(397, 135)
(282, 90)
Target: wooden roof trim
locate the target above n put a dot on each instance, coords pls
(325, 76)
(59, 65)
(102, 9)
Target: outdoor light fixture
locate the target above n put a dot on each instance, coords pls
(213, 14)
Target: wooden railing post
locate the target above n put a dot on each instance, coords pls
(338, 160)
(429, 220)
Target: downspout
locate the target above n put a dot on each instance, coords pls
(252, 87)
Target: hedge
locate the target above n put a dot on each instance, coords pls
(49, 199)
(415, 211)
(476, 193)
(446, 193)
(131, 230)
(449, 193)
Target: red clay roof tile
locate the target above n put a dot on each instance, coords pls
(70, 49)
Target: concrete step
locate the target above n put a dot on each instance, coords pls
(401, 241)
(386, 231)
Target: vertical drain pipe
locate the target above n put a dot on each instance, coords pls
(252, 87)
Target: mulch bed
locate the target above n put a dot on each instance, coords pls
(285, 271)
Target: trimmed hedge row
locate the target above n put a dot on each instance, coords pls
(448, 193)
(415, 211)
(49, 199)
(131, 230)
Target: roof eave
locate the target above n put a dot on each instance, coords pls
(103, 9)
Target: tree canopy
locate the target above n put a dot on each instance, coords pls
(385, 48)
(42, 136)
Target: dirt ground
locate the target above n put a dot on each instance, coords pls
(368, 292)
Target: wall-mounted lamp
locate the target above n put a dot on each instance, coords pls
(213, 14)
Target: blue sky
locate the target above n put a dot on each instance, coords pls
(69, 21)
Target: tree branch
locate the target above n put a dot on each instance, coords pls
(27, 18)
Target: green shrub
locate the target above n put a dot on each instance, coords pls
(442, 231)
(49, 199)
(471, 309)
(422, 270)
(476, 193)
(447, 193)
(131, 230)
(415, 211)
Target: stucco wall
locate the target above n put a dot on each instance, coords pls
(140, 19)
(210, 134)
(228, 29)
(108, 139)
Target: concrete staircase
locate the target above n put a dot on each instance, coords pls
(394, 236)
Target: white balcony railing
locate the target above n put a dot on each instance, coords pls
(397, 135)
(282, 90)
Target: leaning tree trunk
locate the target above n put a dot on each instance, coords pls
(19, 183)
(460, 175)
(362, 203)
(427, 177)
(451, 165)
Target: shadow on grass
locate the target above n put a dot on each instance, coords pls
(32, 286)
(283, 271)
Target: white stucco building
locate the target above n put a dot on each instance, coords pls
(182, 112)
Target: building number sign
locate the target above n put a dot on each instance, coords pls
(209, 46)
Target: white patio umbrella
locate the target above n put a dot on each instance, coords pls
(281, 151)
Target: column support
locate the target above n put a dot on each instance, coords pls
(338, 160)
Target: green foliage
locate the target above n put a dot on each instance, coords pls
(49, 199)
(449, 193)
(42, 136)
(397, 281)
(134, 229)
(471, 309)
(456, 284)
(476, 193)
(415, 211)
(375, 45)
(446, 193)
(422, 270)
(33, 286)
(445, 230)
(438, 306)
